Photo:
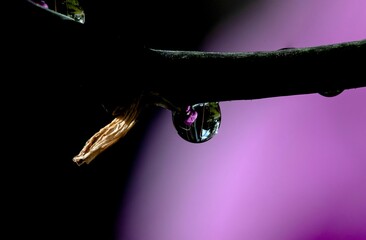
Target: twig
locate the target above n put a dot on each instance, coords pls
(226, 76)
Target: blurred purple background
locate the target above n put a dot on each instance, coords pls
(285, 168)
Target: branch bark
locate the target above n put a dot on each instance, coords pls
(225, 76)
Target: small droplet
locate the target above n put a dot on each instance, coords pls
(331, 93)
(199, 122)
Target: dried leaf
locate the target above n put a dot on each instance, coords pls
(110, 134)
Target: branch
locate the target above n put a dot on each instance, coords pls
(225, 76)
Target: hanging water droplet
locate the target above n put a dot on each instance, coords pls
(331, 93)
(198, 122)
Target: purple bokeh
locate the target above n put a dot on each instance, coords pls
(271, 25)
(285, 168)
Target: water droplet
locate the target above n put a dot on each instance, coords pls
(199, 122)
(331, 93)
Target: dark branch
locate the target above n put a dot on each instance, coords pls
(223, 76)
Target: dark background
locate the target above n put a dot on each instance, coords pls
(58, 75)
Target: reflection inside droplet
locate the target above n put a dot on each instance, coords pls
(198, 122)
